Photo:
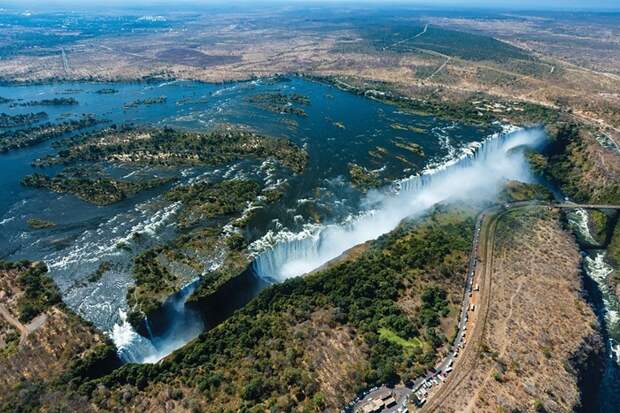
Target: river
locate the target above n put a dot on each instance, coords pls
(339, 128)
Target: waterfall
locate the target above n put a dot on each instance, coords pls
(176, 325)
(477, 174)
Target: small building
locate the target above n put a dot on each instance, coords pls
(390, 402)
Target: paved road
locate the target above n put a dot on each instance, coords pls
(462, 357)
(423, 385)
(469, 357)
(440, 68)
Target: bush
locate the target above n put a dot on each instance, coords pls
(40, 292)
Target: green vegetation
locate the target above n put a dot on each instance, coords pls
(379, 152)
(614, 250)
(362, 178)
(21, 138)
(39, 374)
(13, 121)
(457, 109)
(234, 264)
(153, 282)
(262, 355)
(414, 148)
(40, 292)
(36, 223)
(403, 38)
(98, 191)
(389, 335)
(145, 102)
(101, 360)
(172, 147)
(515, 191)
(568, 162)
(205, 200)
(161, 271)
(274, 193)
(51, 102)
(460, 111)
(598, 225)
(400, 126)
(280, 103)
(9, 339)
(101, 269)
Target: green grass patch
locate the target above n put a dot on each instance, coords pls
(392, 337)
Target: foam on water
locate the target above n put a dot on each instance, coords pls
(474, 174)
(182, 326)
(599, 270)
(578, 218)
(99, 301)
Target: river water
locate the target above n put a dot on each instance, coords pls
(318, 217)
(607, 308)
(339, 128)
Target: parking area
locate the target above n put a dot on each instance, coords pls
(397, 399)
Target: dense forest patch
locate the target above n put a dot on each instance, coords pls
(261, 357)
(171, 147)
(576, 162)
(403, 38)
(98, 191)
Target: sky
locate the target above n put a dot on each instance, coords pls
(557, 5)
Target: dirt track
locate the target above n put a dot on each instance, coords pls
(24, 330)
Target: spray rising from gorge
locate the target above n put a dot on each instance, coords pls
(477, 175)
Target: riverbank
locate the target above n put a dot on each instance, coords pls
(506, 376)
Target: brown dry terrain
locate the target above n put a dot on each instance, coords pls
(49, 344)
(537, 325)
(575, 62)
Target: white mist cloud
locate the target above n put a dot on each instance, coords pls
(478, 176)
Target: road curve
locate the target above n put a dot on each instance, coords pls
(484, 275)
(455, 367)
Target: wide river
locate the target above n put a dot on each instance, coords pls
(339, 128)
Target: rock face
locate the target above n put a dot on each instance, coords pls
(541, 349)
(588, 364)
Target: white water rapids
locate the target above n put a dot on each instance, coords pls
(478, 174)
(599, 270)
